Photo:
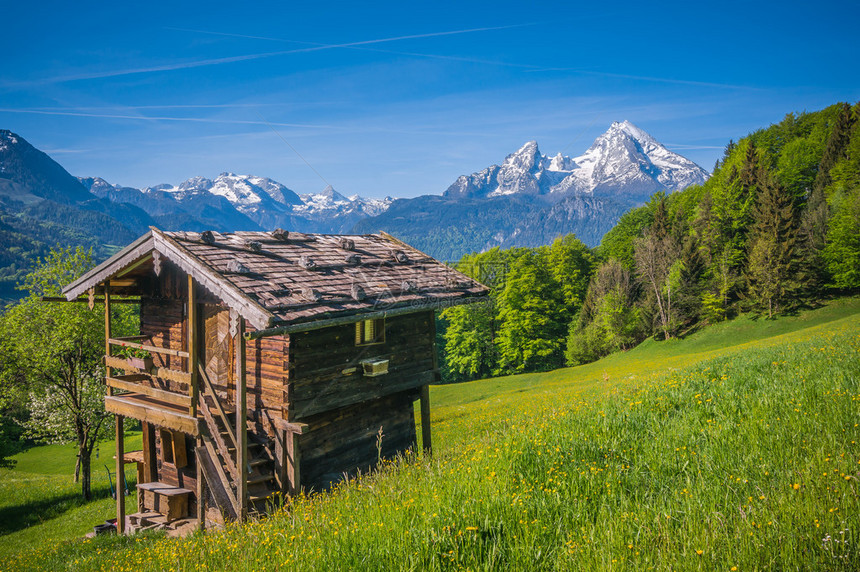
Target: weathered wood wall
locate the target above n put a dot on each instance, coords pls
(320, 376)
(345, 440)
(344, 409)
(268, 376)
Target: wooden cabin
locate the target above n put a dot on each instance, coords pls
(267, 362)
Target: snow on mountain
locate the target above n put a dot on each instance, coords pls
(329, 200)
(246, 202)
(625, 161)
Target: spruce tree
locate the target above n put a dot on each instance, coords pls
(771, 275)
(835, 149)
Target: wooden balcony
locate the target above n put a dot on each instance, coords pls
(151, 410)
(144, 398)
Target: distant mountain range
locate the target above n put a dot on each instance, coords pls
(239, 202)
(527, 200)
(531, 198)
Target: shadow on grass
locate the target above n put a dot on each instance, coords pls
(17, 517)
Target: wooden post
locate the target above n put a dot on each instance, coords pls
(120, 477)
(241, 417)
(107, 332)
(194, 389)
(201, 488)
(294, 462)
(425, 419)
(425, 395)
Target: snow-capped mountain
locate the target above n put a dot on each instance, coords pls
(531, 198)
(625, 162)
(242, 202)
(526, 200)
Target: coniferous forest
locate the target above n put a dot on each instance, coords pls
(774, 229)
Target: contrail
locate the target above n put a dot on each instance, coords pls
(233, 59)
(158, 118)
(527, 67)
(645, 78)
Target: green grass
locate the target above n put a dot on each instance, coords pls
(736, 447)
(41, 505)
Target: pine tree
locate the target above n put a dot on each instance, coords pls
(772, 271)
(836, 147)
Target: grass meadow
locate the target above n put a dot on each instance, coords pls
(734, 449)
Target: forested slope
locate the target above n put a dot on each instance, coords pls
(776, 227)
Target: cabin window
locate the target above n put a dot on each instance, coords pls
(369, 332)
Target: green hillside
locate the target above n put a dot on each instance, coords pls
(735, 448)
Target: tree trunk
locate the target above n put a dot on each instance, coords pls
(84, 456)
(78, 467)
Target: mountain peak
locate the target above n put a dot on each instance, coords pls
(332, 194)
(526, 157)
(628, 128)
(624, 161)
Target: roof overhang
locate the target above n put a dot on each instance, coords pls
(142, 249)
(120, 270)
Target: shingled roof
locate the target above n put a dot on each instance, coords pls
(278, 278)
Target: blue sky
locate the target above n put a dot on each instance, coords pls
(401, 98)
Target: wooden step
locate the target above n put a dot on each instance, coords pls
(257, 497)
(260, 479)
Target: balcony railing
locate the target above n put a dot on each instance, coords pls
(142, 380)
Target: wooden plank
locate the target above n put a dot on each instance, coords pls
(128, 255)
(241, 412)
(201, 488)
(192, 348)
(216, 480)
(425, 419)
(164, 489)
(151, 349)
(87, 300)
(120, 472)
(150, 467)
(308, 406)
(219, 408)
(425, 400)
(294, 463)
(107, 329)
(134, 265)
(173, 375)
(127, 406)
(223, 446)
(284, 425)
(180, 456)
(159, 394)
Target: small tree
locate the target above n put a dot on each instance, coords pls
(53, 353)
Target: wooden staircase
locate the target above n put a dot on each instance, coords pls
(218, 457)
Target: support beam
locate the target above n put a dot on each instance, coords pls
(107, 332)
(193, 389)
(425, 419)
(241, 417)
(294, 462)
(150, 455)
(120, 476)
(201, 487)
